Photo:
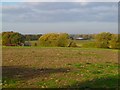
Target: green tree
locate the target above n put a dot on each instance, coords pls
(62, 39)
(12, 38)
(32, 37)
(54, 39)
(5, 38)
(102, 39)
(115, 41)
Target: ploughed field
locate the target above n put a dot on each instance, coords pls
(55, 67)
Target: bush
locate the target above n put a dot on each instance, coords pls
(54, 39)
(12, 38)
(102, 40)
(114, 43)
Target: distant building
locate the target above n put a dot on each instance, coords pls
(80, 38)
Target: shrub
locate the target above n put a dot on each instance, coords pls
(12, 38)
(54, 39)
(102, 40)
(114, 43)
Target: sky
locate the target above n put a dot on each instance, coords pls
(69, 17)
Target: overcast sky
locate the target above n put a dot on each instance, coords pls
(69, 17)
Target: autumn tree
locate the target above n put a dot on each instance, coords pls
(54, 39)
(114, 43)
(62, 39)
(102, 39)
(32, 37)
(12, 38)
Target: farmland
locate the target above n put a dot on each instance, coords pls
(59, 67)
(73, 44)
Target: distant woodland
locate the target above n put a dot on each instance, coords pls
(101, 40)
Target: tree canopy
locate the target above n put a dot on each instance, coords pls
(14, 38)
(115, 41)
(108, 40)
(102, 39)
(54, 39)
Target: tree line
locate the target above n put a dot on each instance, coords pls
(102, 40)
(32, 37)
(16, 39)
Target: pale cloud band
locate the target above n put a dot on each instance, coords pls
(70, 17)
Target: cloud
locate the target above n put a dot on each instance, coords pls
(70, 17)
(59, 12)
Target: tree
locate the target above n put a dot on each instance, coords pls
(102, 39)
(54, 39)
(12, 38)
(62, 39)
(5, 38)
(114, 43)
(32, 37)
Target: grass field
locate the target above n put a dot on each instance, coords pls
(59, 67)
